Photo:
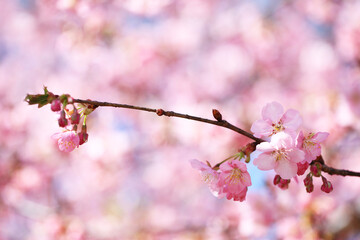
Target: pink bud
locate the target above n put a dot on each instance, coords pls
(316, 169)
(284, 184)
(83, 137)
(56, 105)
(75, 117)
(327, 187)
(277, 179)
(63, 122)
(308, 180)
(310, 188)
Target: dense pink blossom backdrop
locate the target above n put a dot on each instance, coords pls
(133, 179)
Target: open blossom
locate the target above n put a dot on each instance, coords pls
(231, 180)
(274, 120)
(280, 154)
(234, 180)
(67, 140)
(311, 144)
(209, 175)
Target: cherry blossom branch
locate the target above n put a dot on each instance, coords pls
(220, 122)
(56, 100)
(161, 112)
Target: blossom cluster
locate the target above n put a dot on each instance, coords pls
(69, 118)
(289, 152)
(230, 180)
(285, 149)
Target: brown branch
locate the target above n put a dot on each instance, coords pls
(220, 122)
(334, 171)
(341, 172)
(161, 112)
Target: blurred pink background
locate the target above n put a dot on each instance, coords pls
(132, 179)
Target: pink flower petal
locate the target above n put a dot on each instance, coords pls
(282, 140)
(296, 155)
(198, 165)
(286, 169)
(291, 119)
(226, 167)
(265, 161)
(246, 179)
(320, 137)
(272, 111)
(265, 147)
(261, 128)
(299, 140)
(312, 151)
(239, 165)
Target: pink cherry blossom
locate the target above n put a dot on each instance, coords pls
(311, 144)
(209, 175)
(274, 120)
(67, 141)
(231, 181)
(234, 180)
(280, 154)
(238, 196)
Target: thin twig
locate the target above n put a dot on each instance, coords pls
(334, 171)
(161, 112)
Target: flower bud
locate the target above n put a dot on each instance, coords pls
(310, 188)
(326, 186)
(308, 180)
(56, 105)
(63, 122)
(159, 112)
(83, 137)
(277, 179)
(284, 184)
(316, 169)
(75, 117)
(217, 115)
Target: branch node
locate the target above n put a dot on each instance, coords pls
(160, 112)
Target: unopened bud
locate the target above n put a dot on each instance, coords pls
(284, 184)
(310, 188)
(83, 137)
(63, 122)
(277, 179)
(316, 169)
(327, 187)
(308, 180)
(217, 115)
(159, 112)
(75, 117)
(56, 105)
(249, 148)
